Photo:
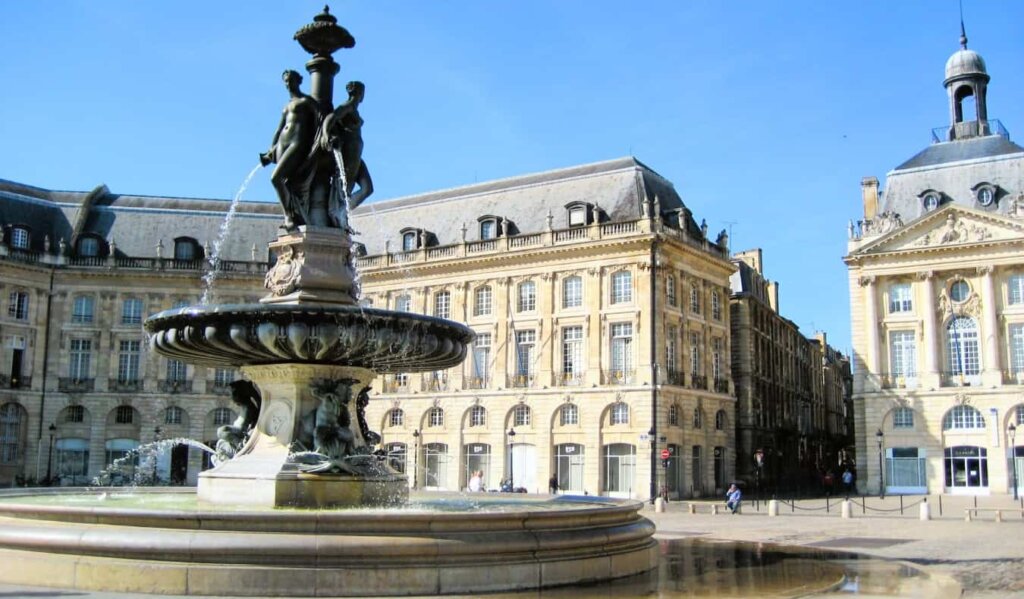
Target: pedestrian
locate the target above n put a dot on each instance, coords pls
(848, 482)
(553, 484)
(732, 497)
(476, 481)
(506, 485)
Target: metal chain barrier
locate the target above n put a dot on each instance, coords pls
(863, 505)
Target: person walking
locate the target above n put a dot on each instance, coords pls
(848, 482)
(733, 496)
(476, 481)
(553, 484)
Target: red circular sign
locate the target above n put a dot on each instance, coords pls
(665, 454)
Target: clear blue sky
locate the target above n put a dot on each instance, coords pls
(765, 115)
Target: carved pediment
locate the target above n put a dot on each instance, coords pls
(947, 227)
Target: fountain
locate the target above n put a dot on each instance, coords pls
(306, 506)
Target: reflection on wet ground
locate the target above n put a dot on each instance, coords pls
(703, 568)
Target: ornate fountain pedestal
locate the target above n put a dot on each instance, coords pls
(264, 473)
(313, 265)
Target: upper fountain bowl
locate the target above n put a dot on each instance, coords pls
(248, 334)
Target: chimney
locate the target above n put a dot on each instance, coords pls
(773, 296)
(869, 193)
(751, 258)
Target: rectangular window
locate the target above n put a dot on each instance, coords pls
(223, 376)
(900, 298)
(1017, 348)
(481, 356)
(622, 287)
(716, 358)
(695, 299)
(696, 364)
(18, 305)
(572, 352)
(670, 290)
(525, 341)
(903, 354)
(903, 418)
(527, 297)
(403, 303)
(443, 305)
(716, 306)
(128, 361)
(671, 350)
(482, 302)
(82, 311)
(1015, 289)
(81, 356)
(622, 349)
(572, 292)
(19, 238)
(131, 311)
(176, 370)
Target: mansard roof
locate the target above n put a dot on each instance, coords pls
(617, 188)
(960, 150)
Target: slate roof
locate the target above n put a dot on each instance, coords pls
(960, 150)
(617, 187)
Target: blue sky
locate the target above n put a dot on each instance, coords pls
(765, 115)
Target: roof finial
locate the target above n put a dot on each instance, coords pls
(963, 32)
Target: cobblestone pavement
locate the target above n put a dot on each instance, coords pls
(984, 556)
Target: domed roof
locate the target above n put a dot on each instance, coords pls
(965, 63)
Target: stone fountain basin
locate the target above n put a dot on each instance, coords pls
(506, 542)
(248, 334)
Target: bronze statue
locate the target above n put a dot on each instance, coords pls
(342, 132)
(231, 437)
(291, 149)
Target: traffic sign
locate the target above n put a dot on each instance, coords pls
(665, 454)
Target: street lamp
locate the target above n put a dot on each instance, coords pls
(1012, 429)
(511, 472)
(415, 457)
(49, 456)
(881, 481)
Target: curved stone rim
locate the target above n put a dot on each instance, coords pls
(254, 334)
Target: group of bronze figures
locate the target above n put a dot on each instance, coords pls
(319, 156)
(326, 441)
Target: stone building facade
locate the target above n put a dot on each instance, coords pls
(602, 323)
(936, 276)
(79, 272)
(793, 393)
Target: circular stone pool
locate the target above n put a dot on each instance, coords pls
(164, 541)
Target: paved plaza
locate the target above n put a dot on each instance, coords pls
(984, 556)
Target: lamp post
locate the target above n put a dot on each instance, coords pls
(881, 480)
(415, 457)
(49, 456)
(1012, 429)
(511, 462)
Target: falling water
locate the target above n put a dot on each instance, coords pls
(214, 258)
(143, 460)
(344, 222)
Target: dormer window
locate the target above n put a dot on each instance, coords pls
(985, 194)
(930, 200)
(488, 229)
(88, 247)
(413, 238)
(579, 213)
(19, 238)
(409, 241)
(186, 248)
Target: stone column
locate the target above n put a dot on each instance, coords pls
(930, 375)
(991, 359)
(871, 325)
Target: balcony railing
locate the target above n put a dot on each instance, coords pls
(897, 380)
(18, 382)
(435, 382)
(973, 128)
(1013, 377)
(521, 380)
(617, 377)
(73, 385)
(175, 386)
(124, 385)
(395, 384)
(218, 388)
(570, 379)
(721, 385)
(959, 379)
(675, 377)
(698, 381)
(478, 382)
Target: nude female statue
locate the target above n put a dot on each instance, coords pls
(290, 149)
(342, 130)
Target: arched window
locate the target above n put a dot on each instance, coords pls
(186, 248)
(569, 414)
(962, 341)
(622, 287)
(174, 415)
(620, 413)
(477, 416)
(521, 415)
(963, 417)
(74, 415)
(436, 417)
(572, 292)
(19, 238)
(720, 420)
(124, 415)
(698, 418)
(82, 309)
(526, 298)
(673, 415)
(482, 301)
(396, 418)
(403, 303)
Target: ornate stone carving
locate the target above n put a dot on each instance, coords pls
(285, 277)
(866, 280)
(925, 275)
(231, 437)
(882, 223)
